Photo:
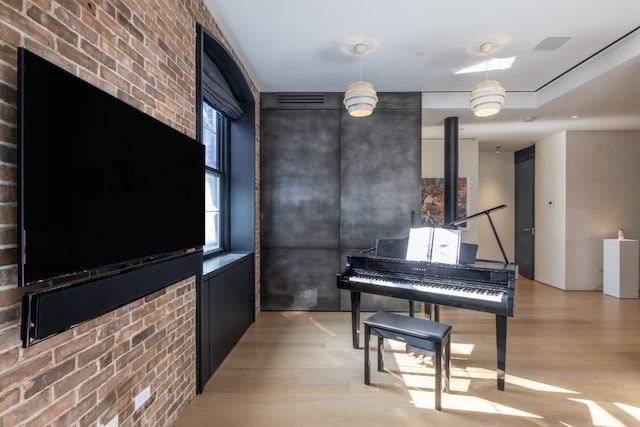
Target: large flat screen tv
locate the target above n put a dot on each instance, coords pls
(100, 182)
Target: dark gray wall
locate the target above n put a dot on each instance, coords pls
(330, 185)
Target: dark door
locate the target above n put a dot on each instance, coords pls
(524, 210)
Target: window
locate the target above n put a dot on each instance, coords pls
(215, 138)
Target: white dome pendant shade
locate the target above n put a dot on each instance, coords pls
(487, 98)
(360, 99)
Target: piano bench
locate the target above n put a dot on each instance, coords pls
(420, 333)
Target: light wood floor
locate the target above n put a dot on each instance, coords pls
(573, 359)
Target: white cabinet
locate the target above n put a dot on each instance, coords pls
(620, 268)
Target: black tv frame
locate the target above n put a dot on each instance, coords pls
(130, 225)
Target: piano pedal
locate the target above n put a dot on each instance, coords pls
(427, 360)
(420, 358)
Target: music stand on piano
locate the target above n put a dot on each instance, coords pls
(392, 248)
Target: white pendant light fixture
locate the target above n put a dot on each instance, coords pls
(360, 98)
(487, 97)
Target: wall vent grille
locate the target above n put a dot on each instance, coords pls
(301, 98)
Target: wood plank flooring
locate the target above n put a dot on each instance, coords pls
(573, 359)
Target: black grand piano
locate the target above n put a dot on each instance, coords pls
(484, 285)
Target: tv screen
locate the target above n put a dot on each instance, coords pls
(100, 182)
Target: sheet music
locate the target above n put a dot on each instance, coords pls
(446, 246)
(434, 245)
(419, 246)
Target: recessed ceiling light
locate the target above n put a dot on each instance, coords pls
(489, 65)
(528, 119)
(575, 116)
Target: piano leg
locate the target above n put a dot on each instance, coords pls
(355, 318)
(501, 344)
(412, 309)
(433, 310)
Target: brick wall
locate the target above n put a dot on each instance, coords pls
(141, 51)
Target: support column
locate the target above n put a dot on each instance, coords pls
(450, 168)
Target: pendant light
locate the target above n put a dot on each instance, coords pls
(487, 97)
(360, 98)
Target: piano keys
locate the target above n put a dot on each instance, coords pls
(487, 287)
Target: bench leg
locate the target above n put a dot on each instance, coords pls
(380, 354)
(367, 355)
(438, 379)
(447, 365)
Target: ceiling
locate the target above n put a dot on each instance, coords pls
(418, 45)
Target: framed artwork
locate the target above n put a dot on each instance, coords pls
(432, 211)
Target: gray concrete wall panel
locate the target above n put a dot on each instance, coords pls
(299, 279)
(300, 178)
(380, 176)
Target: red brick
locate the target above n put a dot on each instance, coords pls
(103, 405)
(95, 323)
(113, 326)
(10, 337)
(123, 361)
(72, 381)
(53, 411)
(73, 22)
(116, 80)
(47, 378)
(8, 256)
(74, 413)
(94, 353)
(44, 4)
(8, 399)
(142, 335)
(78, 57)
(8, 214)
(27, 409)
(72, 6)
(97, 381)
(51, 343)
(99, 55)
(74, 346)
(52, 24)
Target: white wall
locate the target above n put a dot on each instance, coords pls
(585, 190)
(602, 195)
(433, 167)
(496, 187)
(550, 210)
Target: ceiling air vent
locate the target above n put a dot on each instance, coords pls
(301, 98)
(301, 101)
(552, 43)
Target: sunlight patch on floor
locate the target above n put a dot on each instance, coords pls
(318, 325)
(461, 349)
(420, 380)
(535, 385)
(426, 400)
(599, 416)
(631, 410)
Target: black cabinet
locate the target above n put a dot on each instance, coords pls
(226, 308)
